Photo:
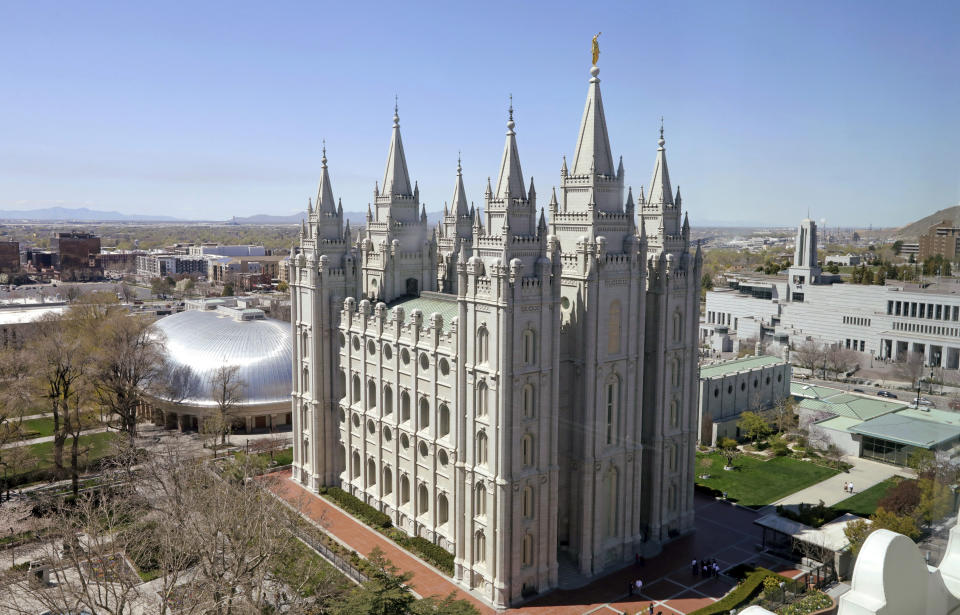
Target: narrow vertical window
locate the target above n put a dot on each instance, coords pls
(481, 448)
(529, 347)
(482, 399)
(443, 509)
(613, 328)
(529, 399)
(613, 409)
(483, 345)
(527, 556)
(527, 450)
(479, 500)
(527, 504)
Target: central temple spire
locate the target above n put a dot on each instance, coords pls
(396, 180)
(459, 207)
(325, 202)
(510, 180)
(592, 154)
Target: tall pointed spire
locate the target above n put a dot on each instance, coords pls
(325, 202)
(593, 143)
(459, 204)
(660, 190)
(510, 180)
(396, 179)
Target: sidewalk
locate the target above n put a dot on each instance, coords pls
(725, 533)
(50, 438)
(864, 474)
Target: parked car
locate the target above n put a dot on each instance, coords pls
(922, 401)
(886, 394)
(858, 390)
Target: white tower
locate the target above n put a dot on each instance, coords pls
(805, 269)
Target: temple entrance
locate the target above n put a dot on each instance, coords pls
(413, 288)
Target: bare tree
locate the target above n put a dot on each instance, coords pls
(839, 360)
(128, 361)
(228, 391)
(809, 355)
(782, 413)
(909, 368)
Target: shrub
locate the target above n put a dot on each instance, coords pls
(366, 513)
(741, 594)
(812, 601)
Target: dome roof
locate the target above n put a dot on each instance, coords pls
(198, 342)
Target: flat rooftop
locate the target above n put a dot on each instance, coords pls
(907, 428)
(738, 365)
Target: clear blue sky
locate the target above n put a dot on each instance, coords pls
(213, 109)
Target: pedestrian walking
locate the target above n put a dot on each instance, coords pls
(846, 486)
(639, 586)
(651, 608)
(851, 486)
(693, 568)
(716, 569)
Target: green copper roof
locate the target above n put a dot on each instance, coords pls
(839, 423)
(737, 365)
(855, 406)
(428, 303)
(905, 428)
(813, 391)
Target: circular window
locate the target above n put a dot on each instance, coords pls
(729, 389)
(404, 441)
(779, 377)
(405, 356)
(371, 348)
(356, 420)
(565, 303)
(442, 457)
(387, 352)
(716, 392)
(424, 361)
(423, 449)
(444, 367)
(371, 427)
(743, 386)
(343, 340)
(768, 380)
(356, 343)
(387, 435)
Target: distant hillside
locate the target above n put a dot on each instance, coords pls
(69, 214)
(915, 229)
(356, 218)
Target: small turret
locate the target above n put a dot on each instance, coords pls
(643, 199)
(532, 193)
(309, 206)
(553, 199)
(423, 213)
(542, 224)
(676, 199)
(620, 168)
(563, 169)
(369, 214)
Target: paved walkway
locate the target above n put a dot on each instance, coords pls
(864, 474)
(43, 439)
(724, 532)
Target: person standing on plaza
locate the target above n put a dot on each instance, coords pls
(639, 586)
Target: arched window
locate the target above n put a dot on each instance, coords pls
(482, 398)
(387, 400)
(356, 389)
(342, 384)
(341, 457)
(371, 394)
(527, 507)
(356, 464)
(676, 372)
(305, 345)
(674, 413)
(404, 406)
(529, 347)
(673, 457)
(423, 499)
(371, 472)
(529, 401)
(480, 547)
(443, 427)
(424, 414)
(479, 500)
(387, 481)
(613, 328)
(304, 417)
(527, 551)
(404, 489)
(677, 326)
(613, 408)
(481, 449)
(443, 509)
(611, 488)
(483, 345)
(672, 497)
(306, 380)
(306, 451)
(526, 450)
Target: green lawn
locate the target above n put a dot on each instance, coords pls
(37, 428)
(865, 502)
(99, 443)
(756, 483)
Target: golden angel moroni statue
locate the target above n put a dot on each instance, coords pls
(596, 48)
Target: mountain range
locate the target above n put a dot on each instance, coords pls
(78, 214)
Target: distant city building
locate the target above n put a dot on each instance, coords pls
(9, 257)
(907, 249)
(40, 260)
(244, 270)
(212, 249)
(729, 388)
(119, 262)
(515, 390)
(77, 256)
(941, 239)
(843, 260)
(883, 322)
(159, 265)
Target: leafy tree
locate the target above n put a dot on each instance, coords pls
(753, 425)
(858, 531)
(936, 500)
(227, 290)
(902, 498)
(728, 448)
(897, 246)
(283, 287)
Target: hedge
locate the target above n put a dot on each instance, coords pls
(744, 592)
(435, 554)
(366, 513)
